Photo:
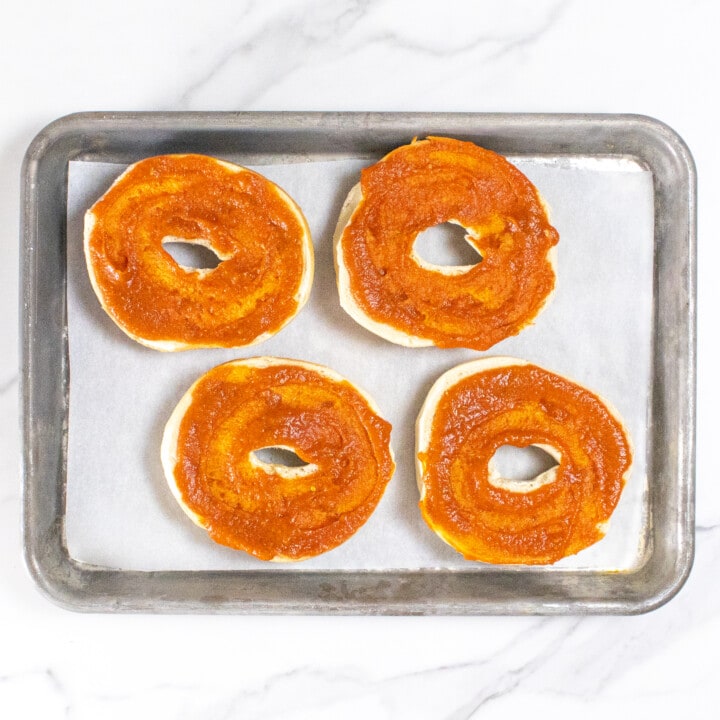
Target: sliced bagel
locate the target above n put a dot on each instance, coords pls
(273, 511)
(479, 406)
(388, 289)
(256, 230)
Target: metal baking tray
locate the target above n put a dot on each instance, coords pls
(291, 137)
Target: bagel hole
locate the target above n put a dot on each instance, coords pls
(191, 254)
(446, 245)
(279, 456)
(522, 464)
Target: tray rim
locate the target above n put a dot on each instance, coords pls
(79, 586)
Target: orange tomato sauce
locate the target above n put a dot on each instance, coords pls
(434, 181)
(240, 215)
(521, 406)
(237, 409)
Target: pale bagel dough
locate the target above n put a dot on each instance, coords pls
(347, 301)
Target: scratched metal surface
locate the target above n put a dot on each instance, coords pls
(259, 138)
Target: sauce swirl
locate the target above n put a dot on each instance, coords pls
(499, 401)
(275, 512)
(257, 231)
(410, 302)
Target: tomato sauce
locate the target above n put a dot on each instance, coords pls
(522, 405)
(435, 181)
(238, 408)
(242, 216)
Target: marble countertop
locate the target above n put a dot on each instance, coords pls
(653, 58)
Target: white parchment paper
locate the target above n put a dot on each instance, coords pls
(596, 330)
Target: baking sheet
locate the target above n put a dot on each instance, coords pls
(596, 330)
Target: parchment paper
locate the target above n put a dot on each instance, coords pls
(596, 330)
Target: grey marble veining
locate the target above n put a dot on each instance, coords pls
(277, 45)
(7, 385)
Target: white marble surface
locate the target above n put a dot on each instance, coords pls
(656, 58)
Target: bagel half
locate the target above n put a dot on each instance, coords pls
(392, 292)
(257, 231)
(272, 511)
(479, 406)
